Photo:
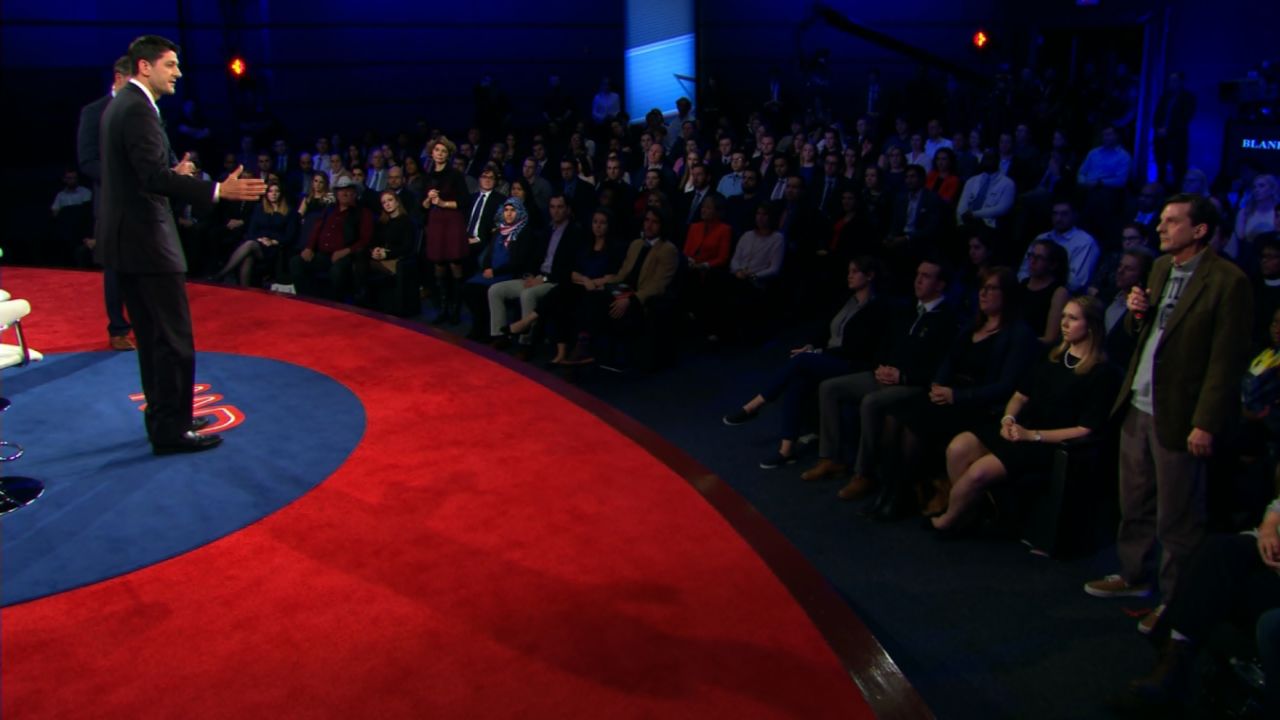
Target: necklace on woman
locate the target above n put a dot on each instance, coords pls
(1066, 360)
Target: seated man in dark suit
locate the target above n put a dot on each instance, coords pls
(917, 219)
(344, 229)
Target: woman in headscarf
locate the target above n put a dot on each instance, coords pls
(498, 261)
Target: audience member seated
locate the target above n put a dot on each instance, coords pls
(916, 154)
(568, 307)
(908, 356)
(269, 241)
(877, 205)
(962, 292)
(893, 167)
(539, 185)
(978, 372)
(707, 248)
(829, 185)
(1082, 249)
(847, 344)
(755, 265)
(1102, 177)
(1132, 270)
(543, 264)
(1132, 235)
(1145, 207)
(1257, 215)
(730, 184)
(344, 228)
(942, 178)
(394, 241)
(988, 196)
(1230, 579)
(1266, 290)
(644, 283)
(1044, 291)
(918, 218)
(511, 242)
(1065, 397)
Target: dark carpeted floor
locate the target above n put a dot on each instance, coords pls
(983, 628)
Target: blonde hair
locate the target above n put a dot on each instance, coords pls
(1095, 323)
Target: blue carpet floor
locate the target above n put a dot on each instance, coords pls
(111, 507)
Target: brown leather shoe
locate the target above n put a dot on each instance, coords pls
(824, 469)
(859, 485)
(122, 342)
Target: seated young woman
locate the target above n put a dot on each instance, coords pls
(845, 345)
(394, 237)
(1044, 292)
(978, 373)
(567, 305)
(643, 283)
(270, 226)
(1066, 396)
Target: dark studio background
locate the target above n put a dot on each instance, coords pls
(345, 67)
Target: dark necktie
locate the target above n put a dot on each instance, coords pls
(920, 313)
(476, 214)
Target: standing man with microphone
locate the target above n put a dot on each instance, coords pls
(1180, 396)
(139, 239)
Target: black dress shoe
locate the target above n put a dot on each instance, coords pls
(200, 423)
(187, 442)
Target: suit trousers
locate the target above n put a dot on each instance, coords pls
(501, 292)
(1162, 497)
(117, 323)
(157, 305)
(873, 401)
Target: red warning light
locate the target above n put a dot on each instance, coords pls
(238, 67)
(980, 39)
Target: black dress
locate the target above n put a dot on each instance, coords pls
(937, 424)
(1036, 304)
(1058, 398)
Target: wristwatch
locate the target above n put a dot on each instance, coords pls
(1039, 437)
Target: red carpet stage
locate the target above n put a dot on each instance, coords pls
(494, 544)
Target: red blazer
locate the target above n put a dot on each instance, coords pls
(708, 244)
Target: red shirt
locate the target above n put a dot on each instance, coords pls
(329, 235)
(708, 243)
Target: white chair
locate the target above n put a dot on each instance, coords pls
(15, 492)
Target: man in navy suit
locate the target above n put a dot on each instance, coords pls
(139, 239)
(87, 152)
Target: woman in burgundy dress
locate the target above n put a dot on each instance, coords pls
(446, 232)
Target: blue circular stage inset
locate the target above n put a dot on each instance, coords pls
(111, 507)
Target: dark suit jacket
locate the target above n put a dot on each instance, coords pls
(861, 335)
(916, 349)
(136, 227)
(486, 221)
(1202, 354)
(88, 153)
(929, 215)
(528, 258)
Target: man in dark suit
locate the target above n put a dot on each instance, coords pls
(139, 239)
(484, 207)
(917, 221)
(1192, 347)
(88, 154)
